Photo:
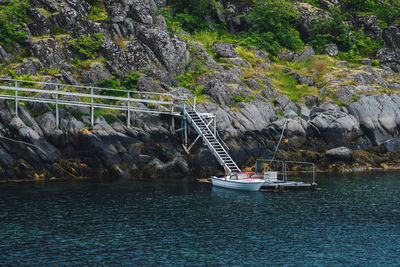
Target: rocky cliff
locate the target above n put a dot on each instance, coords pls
(342, 115)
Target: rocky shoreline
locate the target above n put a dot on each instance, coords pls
(342, 116)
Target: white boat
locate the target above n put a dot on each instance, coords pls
(247, 181)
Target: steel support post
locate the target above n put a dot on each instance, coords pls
(16, 99)
(128, 120)
(91, 107)
(57, 111)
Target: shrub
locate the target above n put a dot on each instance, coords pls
(131, 80)
(274, 21)
(87, 46)
(12, 17)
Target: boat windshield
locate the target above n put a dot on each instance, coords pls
(241, 176)
(246, 175)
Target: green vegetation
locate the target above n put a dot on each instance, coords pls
(12, 18)
(98, 13)
(87, 46)
(243, 98)
(129, 83)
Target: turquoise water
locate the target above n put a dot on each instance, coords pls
(354, 220)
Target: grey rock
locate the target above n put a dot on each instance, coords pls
(369, 24)
(389, 58)
(363, 78)
(379, 116)
(237, 61)
(169, 49)
(283, 103)
(47, 123)
(49, 52)
(365, 61)
(96, 74)
(391, 36)
(39, 108)
(290, 114)
(307, 53)
(224, 50)
(345, 93)
(67, 78)
(340, 153)
(309, 80)
(329, 106)
(22, 132)
(31, 67)
(305, 113)
(331, 50)
(311, 101)
(28, 120)
(147, 84)
(335, 127)
(253, 84)
(5, 57)
(308, 13)
(40, 25)
(392, 145)
(181, 92)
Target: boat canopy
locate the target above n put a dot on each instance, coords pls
(243, 176)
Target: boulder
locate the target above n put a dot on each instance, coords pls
(309, 80)
(389, 58)
(331, 50)
(224, 50)
(378, 115)
(335, 127)
(392, 145)
(340, 153)
(47, 123)
(305, 113)
(391, 36)
(308, 13)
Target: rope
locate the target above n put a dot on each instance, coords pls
(37, 147)
(276, 148)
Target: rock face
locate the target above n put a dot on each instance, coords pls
(391, 36)
(340, 153)
(379, 116)
(389, 58)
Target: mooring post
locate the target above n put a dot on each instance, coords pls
(91, 107)
(128, 120)
(16, 99)
(57, 113)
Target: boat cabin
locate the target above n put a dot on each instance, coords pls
(243, 176)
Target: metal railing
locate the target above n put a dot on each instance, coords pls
(87, 96)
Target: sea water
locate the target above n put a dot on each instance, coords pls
(353, 220)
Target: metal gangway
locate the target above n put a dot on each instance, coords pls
(129, 101)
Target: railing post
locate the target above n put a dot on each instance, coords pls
(57, 112)
(16, 99)
(91, 108)
(128, 120)
(215, 126)
(194, 104)
(172, 116)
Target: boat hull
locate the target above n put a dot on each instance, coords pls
(251, 185)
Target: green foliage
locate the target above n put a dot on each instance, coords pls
(243, 98)
(388, 11)
(172, 25)
(353, 45)
(129, 83)
(97, 14)
(25, 77)
(198, 91)
(274, 20)
(131, 80)
(190, 14)
(87, 46)
(12, 18)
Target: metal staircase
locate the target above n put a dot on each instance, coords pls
(212, 142)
